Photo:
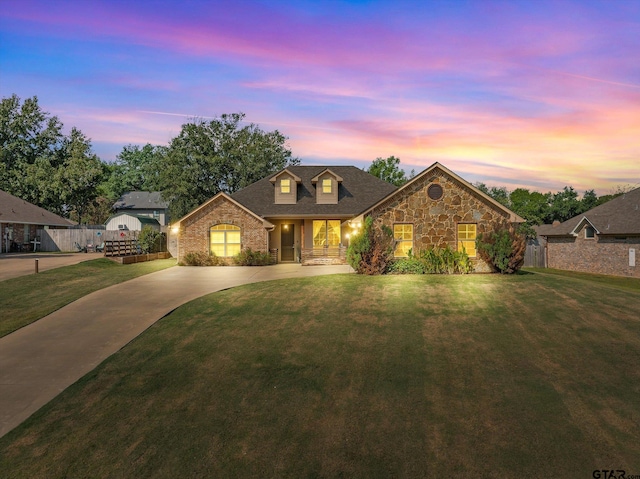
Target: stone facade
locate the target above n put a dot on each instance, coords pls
(193, 235)
(602, 254)
(435, 221)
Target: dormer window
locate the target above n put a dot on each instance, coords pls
(285, 187)
(327, 185)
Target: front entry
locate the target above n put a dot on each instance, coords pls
(287, 243)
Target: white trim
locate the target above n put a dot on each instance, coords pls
(513, 217)
(222, 194)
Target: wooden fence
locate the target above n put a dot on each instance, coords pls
(67, 239)
(535, 256)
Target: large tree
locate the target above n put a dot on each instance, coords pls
(388, 169)
(79, 177)
(28, 136)
(208, 157)
(135, 169)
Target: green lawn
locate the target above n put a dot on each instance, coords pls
(349, 376)
(26, 299)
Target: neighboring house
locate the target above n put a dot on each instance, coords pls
(308, 213)
(20, 220)
(144, 203)
(605, 239)
(130, 222)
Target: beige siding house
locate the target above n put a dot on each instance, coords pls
(307, 214)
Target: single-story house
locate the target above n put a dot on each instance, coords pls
(605, 239)
(20, 220)
(130, 222)
(143, 203)
(308, 213)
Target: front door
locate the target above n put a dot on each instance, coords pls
(286, 243)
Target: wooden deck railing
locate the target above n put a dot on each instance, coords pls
(120, 248)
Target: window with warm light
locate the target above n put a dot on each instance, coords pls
(326, 233)
(285, 185)
(403, 234)
(467, 233)
(326, 185)
(225, 240)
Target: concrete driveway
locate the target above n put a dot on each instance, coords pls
(13, 265)
(40, 360)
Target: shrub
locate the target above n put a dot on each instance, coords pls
(371, 251)
(503, 249)
(434, 261)
(151, 240)
(248, 257)
(201, 258)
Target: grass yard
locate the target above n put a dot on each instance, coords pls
(26, 299)
(350, 376)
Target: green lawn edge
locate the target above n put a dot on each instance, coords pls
(26, 299)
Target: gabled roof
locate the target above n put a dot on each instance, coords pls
(141, 200)
(356, 192)
(16, 210)
(619, 216)
(228, 198)
(274, 178)
(316, 178)
(514, 218)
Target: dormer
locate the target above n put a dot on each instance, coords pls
(285, 187)
(327, 184)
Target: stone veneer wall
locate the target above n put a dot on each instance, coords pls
(194, 231)
(435, 222)
(602, 255)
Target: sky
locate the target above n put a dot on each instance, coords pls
(535, 94)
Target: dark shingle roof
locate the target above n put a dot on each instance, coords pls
(358, 191)
(146, 200)
(619, 216)
(16, 210)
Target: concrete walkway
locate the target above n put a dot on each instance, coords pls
(13, 265)
(40, 360)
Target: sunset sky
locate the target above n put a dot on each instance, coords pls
(512, 93)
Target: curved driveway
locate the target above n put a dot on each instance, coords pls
(40, 360)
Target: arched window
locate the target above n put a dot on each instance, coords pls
(224, 240)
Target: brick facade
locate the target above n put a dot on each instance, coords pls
(435, 222)
(602, 254)
(18, 237)
(193, 235)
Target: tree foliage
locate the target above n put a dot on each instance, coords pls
(135, 169)
(388, 169)
(41, 165)
(208, 157)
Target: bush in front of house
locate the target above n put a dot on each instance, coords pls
(433, 261)
(201, 258)
(502, 249)
(371, 251)
(248, 257)
(150, 240)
